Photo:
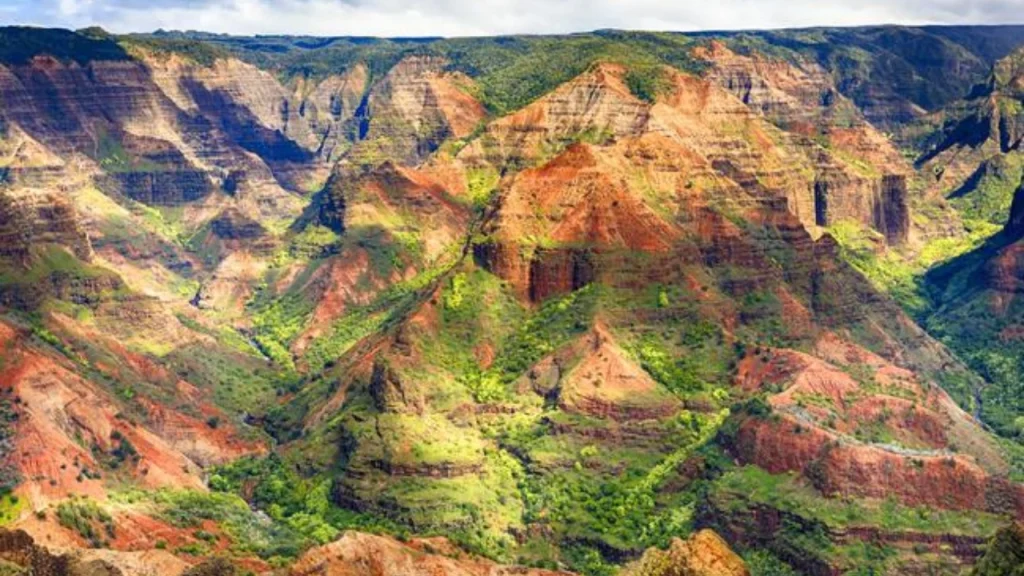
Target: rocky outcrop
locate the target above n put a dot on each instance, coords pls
(64, 412)
(556, 271)
(838, 467)
(761, 527)
(391, 394)
(597, 103)
(390, 200)
(28, 218)
(233, 225)
(357, 554)
(151, 129)
(45, 252)
(567, 212)
(881, 204)
(892, 211)
(758, 528)
(881, 434)
(703, 554)
(604, 383)
(18, 548)
(796, 96)
(328, 206)
(158, 188)
(800, 97)
(412, 110)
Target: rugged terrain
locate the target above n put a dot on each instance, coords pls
(523, 305)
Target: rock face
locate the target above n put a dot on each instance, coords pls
(763, 527)
(793, 96)
(163, 188)
(943, 66)
(575, 205)
(800, 98)
(720, 146)
(161, 131)
(233, 225)
(20, 549)
(30, 217)
(356, 554)
(597, 103)
(892, 212)
(975, 154)
(412, 110)
(60, 408)
(703, 554)
(391, 394)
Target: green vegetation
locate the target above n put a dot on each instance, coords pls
(893, 272)
(554, 324)
(240, 383)
(978, 335)
(481, 184)
(387, 309)
(989, 192)
(85, 517)
(764, 563)
(809, 521)
(513, 73)
(647, 83)
(467, 436)
(629, 513)
(10, 508)
(113, 157)
(18, 45)
(509, 72)
(10, 476)
(1005, 554)
(122, 451)
(248, 531)
(203, 53)
(984, 334)
(303, 505)
(747, 485)
(49, 261)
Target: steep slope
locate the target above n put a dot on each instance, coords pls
(409, 112)
(973, 153)
(893, 73)
(979, 315)
(731, 141)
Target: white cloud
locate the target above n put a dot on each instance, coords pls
(481, 17)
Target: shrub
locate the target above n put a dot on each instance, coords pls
(87, 519)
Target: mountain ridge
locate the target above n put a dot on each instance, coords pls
(559, 316)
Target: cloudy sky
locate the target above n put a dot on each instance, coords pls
(483, 17)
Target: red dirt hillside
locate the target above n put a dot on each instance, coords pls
(855, 425)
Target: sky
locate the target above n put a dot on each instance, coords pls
(490, 17)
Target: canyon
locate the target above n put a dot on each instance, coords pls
(619, 302)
